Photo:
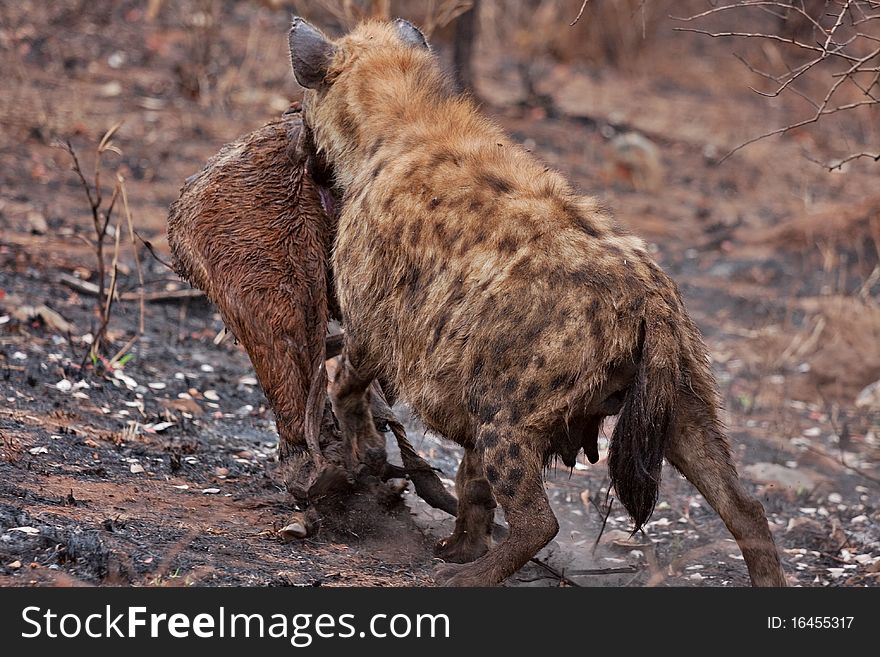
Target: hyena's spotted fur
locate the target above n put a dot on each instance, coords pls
(512, 313)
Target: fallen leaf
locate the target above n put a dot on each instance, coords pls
(188, 405)
(31, 531)
(51, 319)
(159, 427)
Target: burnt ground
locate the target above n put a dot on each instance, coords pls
(162, 471)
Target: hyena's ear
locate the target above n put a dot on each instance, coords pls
(310, 53)
(410, 34)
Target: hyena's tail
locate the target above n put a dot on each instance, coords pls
(646, 420)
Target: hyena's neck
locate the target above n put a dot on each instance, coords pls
(366, 117)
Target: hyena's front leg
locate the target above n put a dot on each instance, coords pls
(513, 468)
(472, 536)
(350, 398)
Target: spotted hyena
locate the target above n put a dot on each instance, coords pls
(513, 314)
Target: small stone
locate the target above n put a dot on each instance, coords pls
(136, 468)
(211, 395)
(37, 223)
(869, 397)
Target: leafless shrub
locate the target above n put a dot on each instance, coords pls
(430, 15)
(607, 32)
(827, 53)
(102, 215)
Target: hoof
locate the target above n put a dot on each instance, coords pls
(300, 525)
(462, 548)
(459, 575)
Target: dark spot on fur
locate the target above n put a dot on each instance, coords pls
(489, 438)
(440, 230)
(522, 268)
(347, 125)
(434, 202)
(507, 490)
(635, 305)
(477, 237)
(502, 344)
(475, 205)
(438, 330)
(376, 146)
(491, 474)
(561, 380)
(487, 412)
(509, 385)
(585, 225)
(514, 451)
(415, 234)
(515, 414)
(440, 158)
(516, 475)
(454, 237)
(497, 184)
(377, 170)
(508, 244)
(533, 389)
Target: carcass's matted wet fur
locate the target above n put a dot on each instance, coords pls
(512, 313)
(251, 230)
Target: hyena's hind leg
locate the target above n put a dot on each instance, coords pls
(700, 451)
(474, 521)
(349, 392)
(513, 460)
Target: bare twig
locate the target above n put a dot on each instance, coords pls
(580, 13)
(91, 289)
(609, 502)
(558, 575)
(838, 39)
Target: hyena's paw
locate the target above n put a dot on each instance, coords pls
(462, 547)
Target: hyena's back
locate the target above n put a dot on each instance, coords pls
(499, 278)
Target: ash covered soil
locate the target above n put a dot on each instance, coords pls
(163, 472)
